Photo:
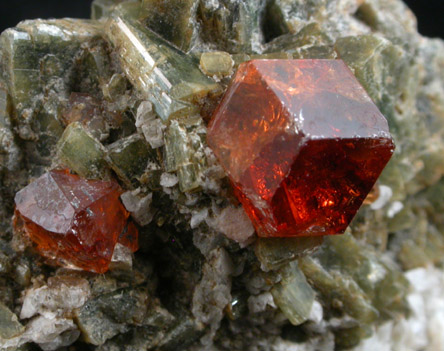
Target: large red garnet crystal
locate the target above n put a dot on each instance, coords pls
(302, 143)
(75, 221)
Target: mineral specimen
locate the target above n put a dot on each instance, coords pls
(74, 221)
(302, 143)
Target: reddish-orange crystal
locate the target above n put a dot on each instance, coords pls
(302, 143)
(75, 221)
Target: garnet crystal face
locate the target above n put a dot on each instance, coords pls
(302, 143)
(74, 221)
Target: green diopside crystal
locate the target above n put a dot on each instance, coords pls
(339, 290)
(37, 59)
(385, 286)
(293, 294)
(109, 314)
(285, 16)
(93, 67)
(9, 325)
(230, 25)
(181, 335)
(162, 74)
(10, 154)
(82, 153)
(101, 9)
(309, 36)
(346, 338)
(39, 52)
(128, 157)
(216, 63)
(184, 151)
(378, 15)
(174, 20)
(381, 67)
(275, 252)
(4, 114)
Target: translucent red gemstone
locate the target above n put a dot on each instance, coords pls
(302, 143)
(75, 221)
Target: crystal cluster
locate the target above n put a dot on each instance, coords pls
(75, 221)
(302, 143)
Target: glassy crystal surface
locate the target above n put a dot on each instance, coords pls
(162, 73)
(74, 221)
(173, 20)
(302, 143)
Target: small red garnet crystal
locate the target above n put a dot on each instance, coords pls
(75, 221)
(302, 143)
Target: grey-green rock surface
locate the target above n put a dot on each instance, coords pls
(128, 95)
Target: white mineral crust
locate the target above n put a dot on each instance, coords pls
(424, 329)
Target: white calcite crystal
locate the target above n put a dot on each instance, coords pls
(323, 343)
(385, 194)
(168, 180)
(61, 295)
(138, 205)
(122, 258)
(151, 127)
(213, 293)
(259, 303)
(423, 330)
(234, 223)
(50, 333)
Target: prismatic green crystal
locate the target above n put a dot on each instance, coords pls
(81, 152)
(174, 20)
(184, 151)
(216, 63)
(336, 287)
(9, 325)
(276, 252)
(161, 73)
(231, 25)
(129, 157)
(106, 316)
(293, 295)
(37, 53)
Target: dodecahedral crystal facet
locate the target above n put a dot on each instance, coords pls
(302, 143)
(75, 221)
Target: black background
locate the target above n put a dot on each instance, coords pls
(429, 12)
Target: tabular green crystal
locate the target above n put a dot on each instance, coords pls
(82, 153)
(101, 9)
(9, 325)
(293, 295)
(181, 335)
(231, 25)
(216, 63)
(174, 20)
(385, 286)
(10, 153)
(38, 57)
(339, 290)
(109, 314)
(184, 151)
(290, 16)
(129, 157)
(381, 67)
(276, 252)
(378, 15)
(162, 74)
(311, 36)
(38, 53)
